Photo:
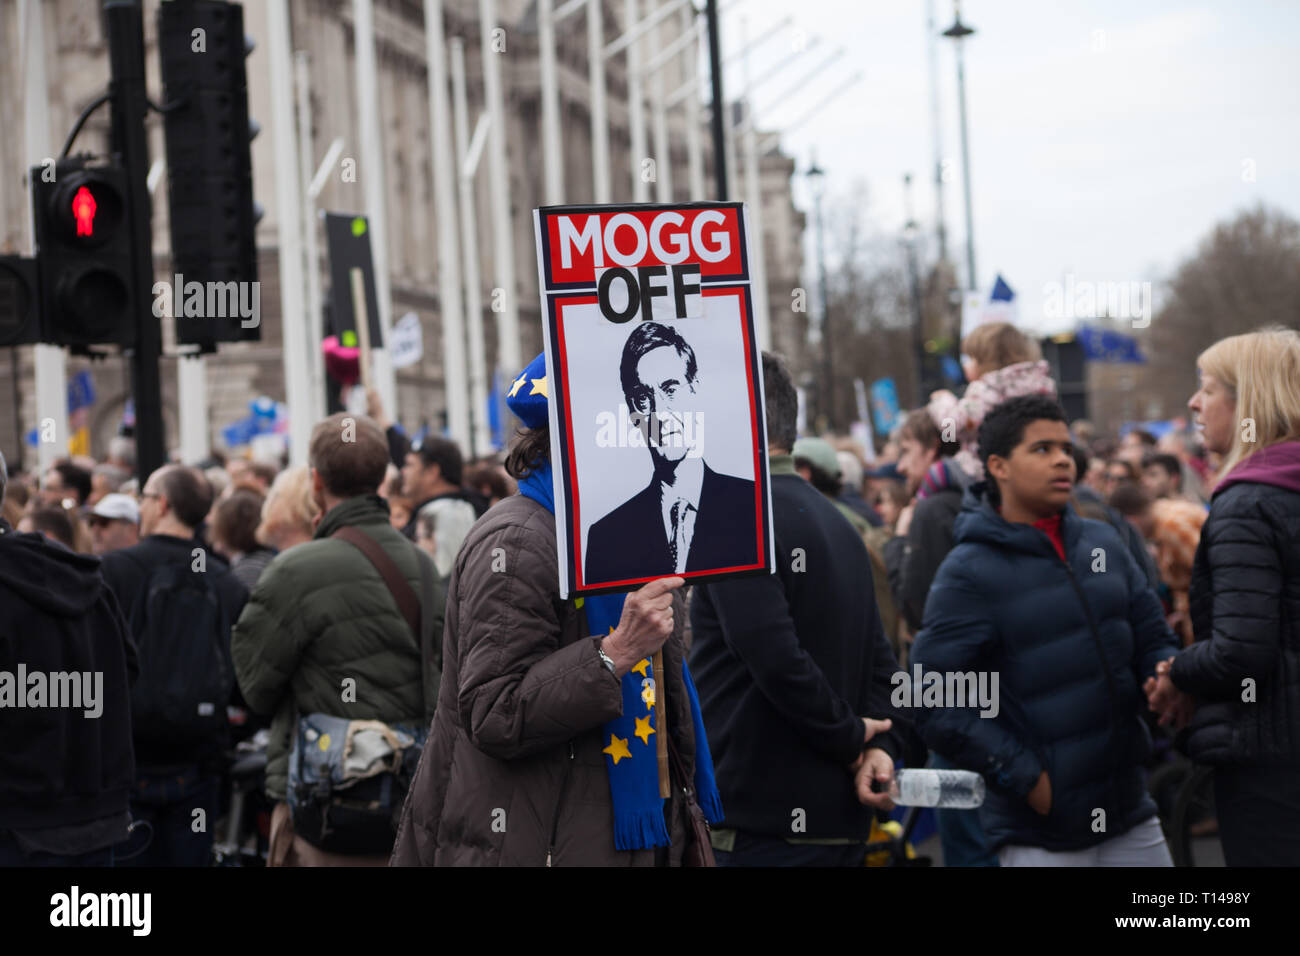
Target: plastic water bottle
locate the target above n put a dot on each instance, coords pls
(948, 789)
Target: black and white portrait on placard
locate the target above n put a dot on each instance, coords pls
(688, 515)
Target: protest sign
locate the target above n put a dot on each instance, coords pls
(658, 437)
(406, 344)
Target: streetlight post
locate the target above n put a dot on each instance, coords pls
(816, 180)
(931, 49)
(910, 232)
(958, 32)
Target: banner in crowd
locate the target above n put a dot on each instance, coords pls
(1001, 306)
(658, 436)
(885, 410)
(406, 344)
(347, 239)
(1107, 345)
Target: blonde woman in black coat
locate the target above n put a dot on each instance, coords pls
(1239, 682)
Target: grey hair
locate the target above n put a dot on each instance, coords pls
(123, 449)
(113, 473)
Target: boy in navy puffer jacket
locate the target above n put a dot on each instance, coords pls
(1056, 606)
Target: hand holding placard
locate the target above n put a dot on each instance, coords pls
(645, 626)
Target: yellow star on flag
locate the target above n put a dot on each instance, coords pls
(648, 695)
(617, 748)
(643, 729)
(539, 387)
(641, 667)
(518, 384)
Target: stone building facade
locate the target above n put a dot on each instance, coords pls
(77, 70)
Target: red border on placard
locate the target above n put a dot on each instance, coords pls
(574, 531)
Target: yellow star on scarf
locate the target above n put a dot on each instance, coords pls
(648, 695)
(518, 384)
(641, 667)
(617, 748)
(539, 387)
(643, 729)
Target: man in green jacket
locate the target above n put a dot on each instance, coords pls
(322, 632)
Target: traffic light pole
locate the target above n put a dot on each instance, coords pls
(719, 103)
(124, 21)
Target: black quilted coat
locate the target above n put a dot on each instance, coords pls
(1244, 667)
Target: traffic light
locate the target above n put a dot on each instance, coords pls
(83, 241)
(20, 304)
(207, 132)
(1064, 355)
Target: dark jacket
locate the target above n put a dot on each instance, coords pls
(513, 773)
(250, 566)
(59, 767)
(1245, 609)
(398, 444)
(127, 572)
(321, 613)
(1003, 601)
(853, 498)
(787, 665)
(725, 533)
(876, 538)
(1090, 504)
(913, 561)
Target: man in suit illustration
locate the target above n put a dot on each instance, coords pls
(689, 517)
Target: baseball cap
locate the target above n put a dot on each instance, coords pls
(117, 507)
(819, 452)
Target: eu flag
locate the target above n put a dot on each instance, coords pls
(1105, 345)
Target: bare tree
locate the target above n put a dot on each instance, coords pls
(869, 309)
(1244, 275)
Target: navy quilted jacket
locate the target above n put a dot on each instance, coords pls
(1071, 643)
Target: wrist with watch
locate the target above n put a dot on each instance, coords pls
(606, 659)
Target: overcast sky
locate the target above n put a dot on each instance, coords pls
(1107, 136)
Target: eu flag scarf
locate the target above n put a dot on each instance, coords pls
(630, 755)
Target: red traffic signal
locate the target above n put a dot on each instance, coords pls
(86, 208)
(84, 255)
(83, 210)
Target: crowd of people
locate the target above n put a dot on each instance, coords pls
(388, 603)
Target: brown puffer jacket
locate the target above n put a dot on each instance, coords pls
(513, 773)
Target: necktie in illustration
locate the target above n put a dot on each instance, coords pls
(683, 521)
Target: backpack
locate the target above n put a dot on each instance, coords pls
(348, 778)
(186, 677)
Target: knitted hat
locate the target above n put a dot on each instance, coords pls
(528, 393)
